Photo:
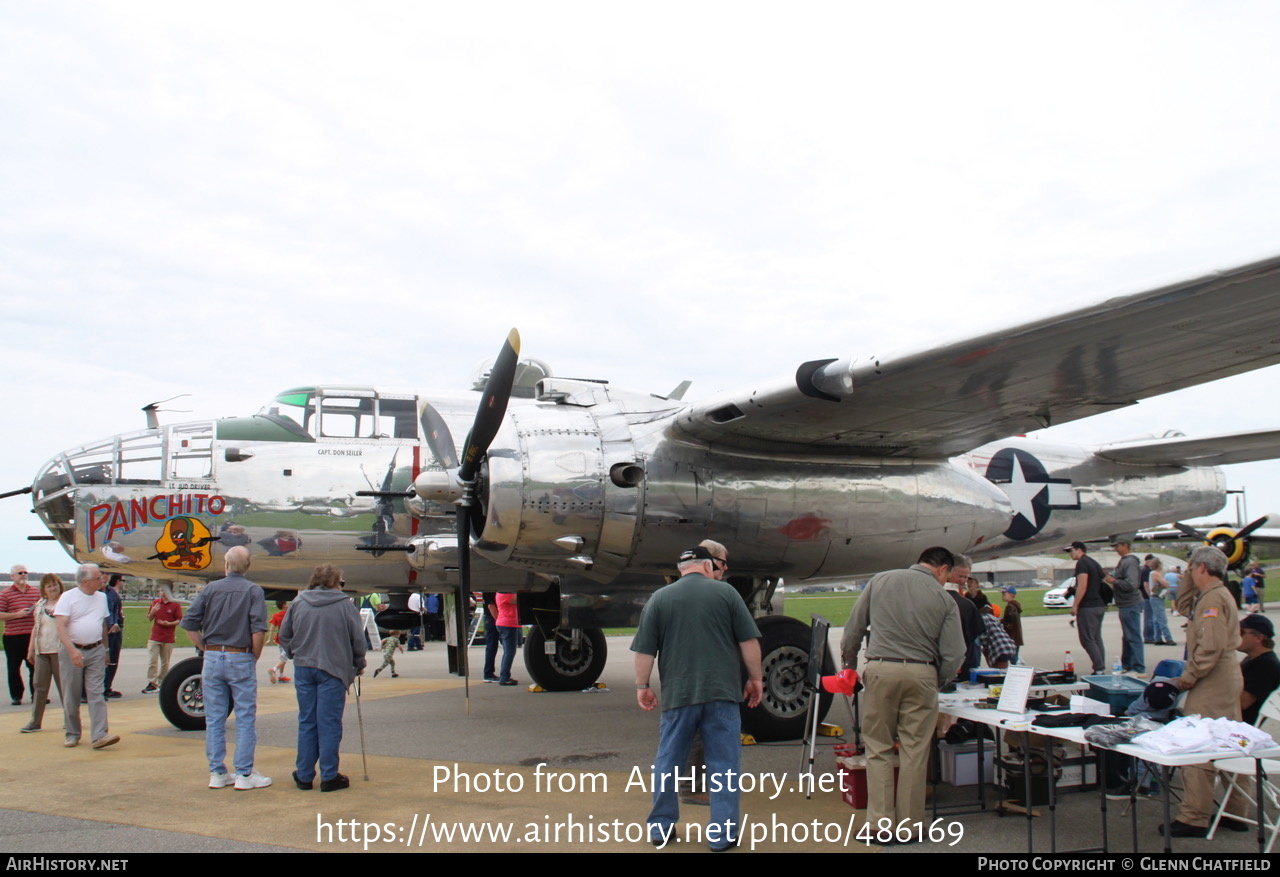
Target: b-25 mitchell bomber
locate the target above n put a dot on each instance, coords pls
(579, 495)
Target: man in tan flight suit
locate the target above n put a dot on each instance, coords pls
(1211, 677)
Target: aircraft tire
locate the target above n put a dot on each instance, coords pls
(568, 669)
(784, 650)
(181, 697)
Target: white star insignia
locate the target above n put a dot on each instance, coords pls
(1022, 493)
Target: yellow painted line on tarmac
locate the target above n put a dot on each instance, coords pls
(160, 781)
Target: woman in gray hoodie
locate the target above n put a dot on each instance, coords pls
(323, 636)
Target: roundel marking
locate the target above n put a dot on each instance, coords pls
(1032, 493)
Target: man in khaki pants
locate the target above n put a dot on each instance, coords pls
(914, 646)
(1211, 677)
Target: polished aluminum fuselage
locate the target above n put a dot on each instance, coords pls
(588, 482)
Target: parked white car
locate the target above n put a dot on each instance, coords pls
(1057, 598)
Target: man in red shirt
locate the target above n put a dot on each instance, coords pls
(165, 613)
(17, 605)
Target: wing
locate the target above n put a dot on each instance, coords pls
(950, 399)
(1217, 450)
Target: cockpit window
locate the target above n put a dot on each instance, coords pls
(343, 418)
(322, 415)
(291, 410)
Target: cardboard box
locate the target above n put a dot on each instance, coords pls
(1078, 774)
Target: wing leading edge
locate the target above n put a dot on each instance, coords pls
(1214, 450)
(947, 400)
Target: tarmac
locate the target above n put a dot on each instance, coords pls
(438, 762)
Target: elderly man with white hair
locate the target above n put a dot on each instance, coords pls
(17, 603)
(83, 619)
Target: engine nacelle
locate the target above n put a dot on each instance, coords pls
(562, 491)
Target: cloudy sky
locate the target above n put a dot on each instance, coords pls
(229, 199)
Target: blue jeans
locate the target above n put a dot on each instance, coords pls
(720, 724)
(1159, 621)
(1131, 652)
(230, 679)
(321, 701)
(508, 636)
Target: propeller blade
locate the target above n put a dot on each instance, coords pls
(439, 439)
(1244, 534)
(1191, 531)
(493, 407)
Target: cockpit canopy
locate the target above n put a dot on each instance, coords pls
(344, 412)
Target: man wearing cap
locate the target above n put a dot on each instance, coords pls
(1126, 581)
(1260, 668)
(702, 635)
(228, 621)
(1090, 606)
(1211, 676)
(914, 645)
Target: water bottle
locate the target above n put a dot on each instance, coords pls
(1115, 667)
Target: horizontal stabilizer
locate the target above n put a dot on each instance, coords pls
(1218, 450)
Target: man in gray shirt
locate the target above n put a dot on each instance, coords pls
(228, 621)
(914, 645)
(1126, 581)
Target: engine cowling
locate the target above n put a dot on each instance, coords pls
(560, 491)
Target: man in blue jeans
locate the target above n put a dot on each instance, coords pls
(702, 635)
(228, 622)
(1126, 582)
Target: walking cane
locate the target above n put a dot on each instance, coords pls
(364, 759)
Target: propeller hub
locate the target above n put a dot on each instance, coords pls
(434, 485)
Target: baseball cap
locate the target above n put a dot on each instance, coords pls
(1261, 623)
(697, 552)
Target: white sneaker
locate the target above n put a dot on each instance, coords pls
(254, 780)
(220, 780)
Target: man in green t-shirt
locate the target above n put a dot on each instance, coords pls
(701, 634)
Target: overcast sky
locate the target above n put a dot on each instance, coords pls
(229, 199)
